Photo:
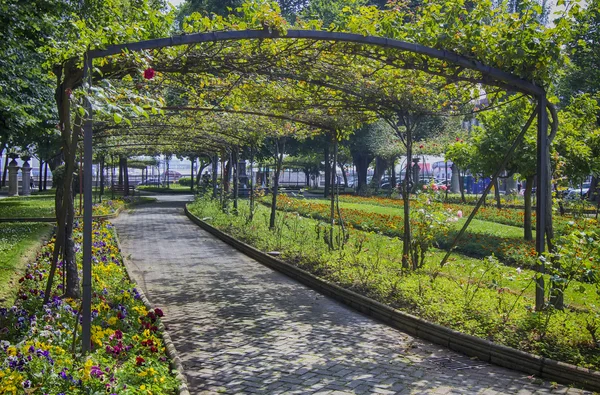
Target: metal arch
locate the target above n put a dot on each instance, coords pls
(318, 35)
(496, 74)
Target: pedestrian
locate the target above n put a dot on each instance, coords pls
(519, 186)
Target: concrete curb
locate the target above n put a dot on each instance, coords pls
(169, 346)
(470, 345)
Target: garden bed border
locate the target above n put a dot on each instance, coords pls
(169, 346)
(472, 346)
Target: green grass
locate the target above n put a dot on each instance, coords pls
(27, 207)
(476, 225)
(174, 188)
(18, 243)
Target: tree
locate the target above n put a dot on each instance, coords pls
(90, 25)
(25, 89)
(368, 142)
(492, 140)
(583, 48)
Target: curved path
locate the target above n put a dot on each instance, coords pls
(241, 327)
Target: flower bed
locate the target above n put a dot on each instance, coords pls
(505, 216)
(510, 250)
(36, 341)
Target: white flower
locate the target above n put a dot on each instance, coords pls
(519, 270)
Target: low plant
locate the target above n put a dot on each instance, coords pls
(39, 344)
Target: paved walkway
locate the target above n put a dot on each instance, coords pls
(240, 327)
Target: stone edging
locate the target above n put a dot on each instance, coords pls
(470, 345)
(169, 346)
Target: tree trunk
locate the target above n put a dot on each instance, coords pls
(40, 175)
(497, 194)
(236, 179)
(528, 233)
(125, 177)
(101, 177)
(278, 162)
(192, 162)
(362, 167)
(461, 186)
(333, 192)
(343, 174)
(5, 170)
(251, 216)
(594, 193)
(327, 169)
(380, 166)
(215, 167)
(168, 175)
(406, 238)
(121, 179)
(46, 176)
(227, 175)
(393, 176)
(70, 136)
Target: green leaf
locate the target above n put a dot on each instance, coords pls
(117, 118)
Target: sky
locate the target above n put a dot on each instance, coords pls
(176, 2)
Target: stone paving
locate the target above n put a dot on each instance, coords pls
(241, 327)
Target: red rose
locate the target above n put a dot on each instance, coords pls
(149, 73)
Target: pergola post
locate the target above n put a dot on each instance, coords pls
(543, 156)
(86, 308)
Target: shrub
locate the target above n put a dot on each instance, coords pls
(185, 181)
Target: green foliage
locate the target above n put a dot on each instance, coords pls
(583, 48)
(462, 154)
(185, 181)
(25, 89)
(578, 140)
(495, 136)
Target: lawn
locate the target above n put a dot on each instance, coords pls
(27, 207)
(42, 206)
(173, 188)
(18, 244)
(481, 297)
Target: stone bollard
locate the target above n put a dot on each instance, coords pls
(13, 186)
(26, 178)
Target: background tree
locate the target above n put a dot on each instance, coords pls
(492, 140)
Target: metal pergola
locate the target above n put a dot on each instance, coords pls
(489, 76)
